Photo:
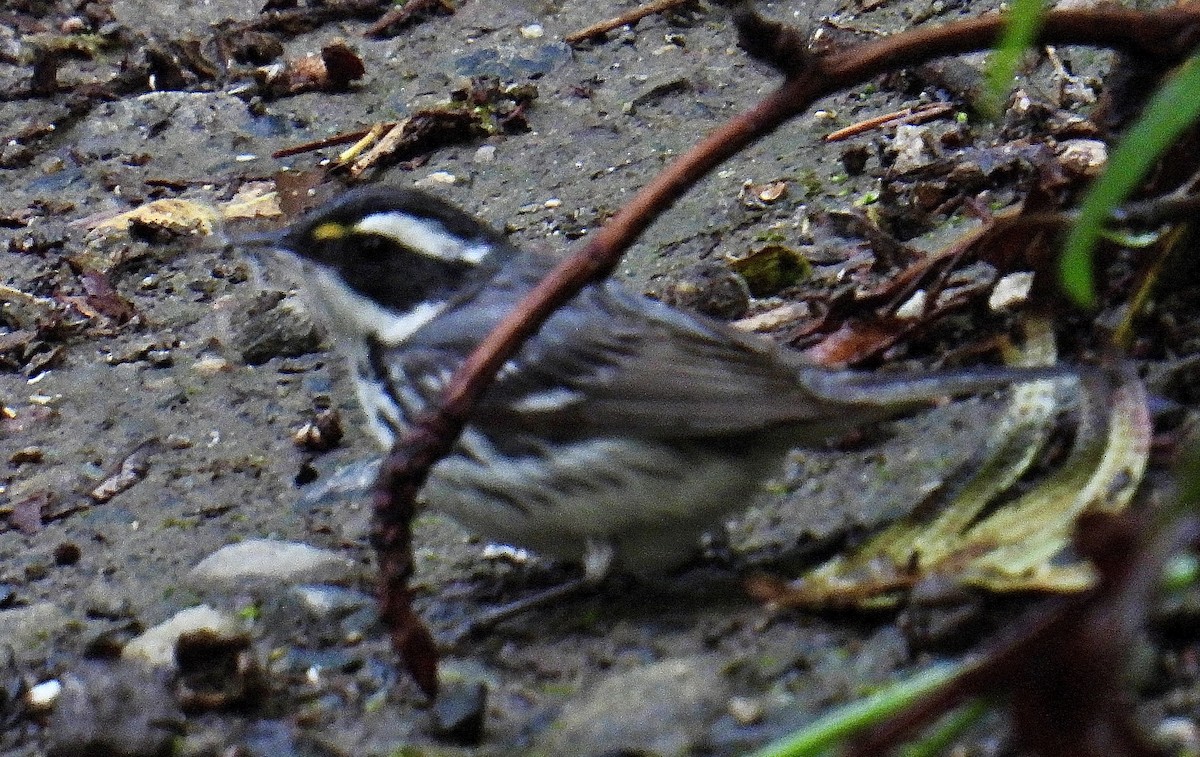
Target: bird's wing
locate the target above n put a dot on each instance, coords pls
(616, 362)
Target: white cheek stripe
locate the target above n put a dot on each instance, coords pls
(424, 237)
(395, 330)
(352, 315)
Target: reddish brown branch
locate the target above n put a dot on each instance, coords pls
(1167, 35)
(1112, 27)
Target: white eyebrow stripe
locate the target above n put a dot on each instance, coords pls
(422, 236)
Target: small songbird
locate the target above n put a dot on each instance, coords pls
(618, 434)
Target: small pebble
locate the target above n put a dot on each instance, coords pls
(436, 179)
(113, 709)
(745, 710)
(42, 696)
(67, 553)
(25, 455)
(458, 712)
(322, 601)
(1083, 157)
(911, 149)
(1010, 291)
(105, 599)
(157, 645)
(211, 365)
(1180, 733)
(914, 307)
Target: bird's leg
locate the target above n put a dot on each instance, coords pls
(597, 562)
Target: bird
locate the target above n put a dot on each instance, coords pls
(621, 432)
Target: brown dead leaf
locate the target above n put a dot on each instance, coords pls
(103, 298)
(332, 70)
(26, 515)
(856, 341)
(173, 216)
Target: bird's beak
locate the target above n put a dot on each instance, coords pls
(267, 240)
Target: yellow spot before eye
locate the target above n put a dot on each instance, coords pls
(329, 231)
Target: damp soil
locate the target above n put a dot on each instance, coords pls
(206, 378)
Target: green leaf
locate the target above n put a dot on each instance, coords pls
(1024, 20)
(947, 731)
(1171, 110)
(772, 268)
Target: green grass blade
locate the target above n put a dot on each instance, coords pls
(1020, 31)
(1170, 111)
(947, 732)
(833, 727)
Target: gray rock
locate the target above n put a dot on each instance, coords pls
(329, 601)
(109, 709)
(659, 708)
(274, 325)
(458, 712)
(104, 598)
(267, 563)
(190, 134)
(29, 630)
(156, 646)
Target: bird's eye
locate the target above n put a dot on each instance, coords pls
(373, 246)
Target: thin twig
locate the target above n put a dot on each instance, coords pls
(917, 115)
(630, 17)
(344, 138)
(404, 13)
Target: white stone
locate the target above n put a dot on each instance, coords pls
(1011, 290)
(911, 150)
(1083, 157)
(263, 562)
(156, 646)
(43, 695)
(329, 600)
(436, 179)
(745, 710)
(914, 307)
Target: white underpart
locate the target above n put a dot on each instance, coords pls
(508, 370)
(584, 499)
(422, 236)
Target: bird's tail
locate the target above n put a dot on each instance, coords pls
(884, 390)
